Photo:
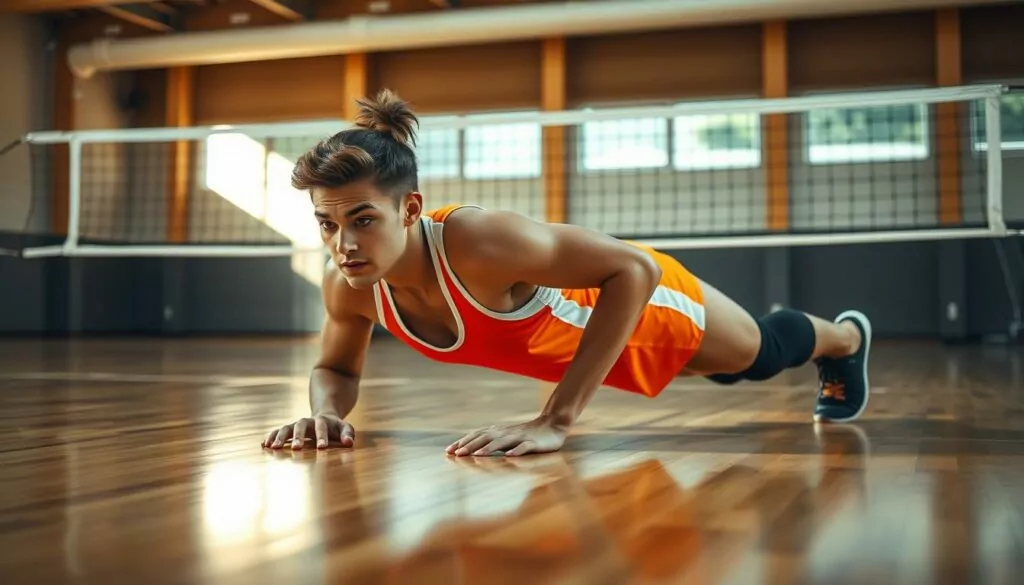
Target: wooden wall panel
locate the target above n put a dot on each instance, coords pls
(499, 76)
(862, 52)
(992, 46)
(271, 91)
(664, 65)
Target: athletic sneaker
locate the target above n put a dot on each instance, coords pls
(843, 382)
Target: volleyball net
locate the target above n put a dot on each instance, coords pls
(839, 168)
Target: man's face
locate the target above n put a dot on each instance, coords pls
(363, 229)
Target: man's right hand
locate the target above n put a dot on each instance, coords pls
(334, 381)
(325, 429)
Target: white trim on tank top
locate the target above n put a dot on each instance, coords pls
(566, 310)
(461, 337)
(541, 298)
(379, 305)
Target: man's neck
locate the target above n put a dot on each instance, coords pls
(414, 270)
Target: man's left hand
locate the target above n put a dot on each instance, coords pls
(536, 436)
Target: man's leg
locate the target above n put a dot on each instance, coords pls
(739, 347)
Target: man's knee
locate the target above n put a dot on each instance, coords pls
(787, 341)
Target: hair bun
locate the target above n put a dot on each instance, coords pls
(388, 114)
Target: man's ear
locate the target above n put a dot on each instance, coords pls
(412, 207)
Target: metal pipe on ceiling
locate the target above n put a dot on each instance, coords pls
(374, 33)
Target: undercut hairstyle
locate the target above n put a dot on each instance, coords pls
(378, 148)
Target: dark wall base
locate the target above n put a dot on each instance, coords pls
(952, 290)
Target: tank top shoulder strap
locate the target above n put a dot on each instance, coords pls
(440, 214)
(434, 228)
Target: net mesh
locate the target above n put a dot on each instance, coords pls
(722, 169)
(26, 196)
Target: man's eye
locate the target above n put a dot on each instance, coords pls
(327, 225)
(364, 221)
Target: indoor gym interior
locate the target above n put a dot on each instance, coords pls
(160, 300)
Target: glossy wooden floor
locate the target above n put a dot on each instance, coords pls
(135, 461)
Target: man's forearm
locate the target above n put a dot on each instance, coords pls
(614, 318)
(331, 392)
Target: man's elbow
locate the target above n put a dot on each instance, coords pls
(644, 271)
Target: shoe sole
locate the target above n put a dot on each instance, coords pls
(865, 324)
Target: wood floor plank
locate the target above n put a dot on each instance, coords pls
(127, 460)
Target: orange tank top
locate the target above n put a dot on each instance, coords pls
(539, 339)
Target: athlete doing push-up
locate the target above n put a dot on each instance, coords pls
(553, 302)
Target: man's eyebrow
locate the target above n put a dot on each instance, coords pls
(357, 209)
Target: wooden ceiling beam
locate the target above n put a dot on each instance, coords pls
(163, 8)
(33, 6)
(137, 19)
(280, 9)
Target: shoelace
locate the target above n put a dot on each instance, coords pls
(831, 386)
(835, 390)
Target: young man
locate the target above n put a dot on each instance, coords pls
(549, 301)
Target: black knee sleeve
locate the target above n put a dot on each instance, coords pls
(787, 341)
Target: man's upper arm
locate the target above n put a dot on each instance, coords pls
(345, 335)
(555, 255)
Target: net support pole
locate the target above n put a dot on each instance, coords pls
(74, 194)
(994, 139)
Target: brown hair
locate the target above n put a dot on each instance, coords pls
(378, 147)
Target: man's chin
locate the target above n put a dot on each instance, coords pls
(362, 281)
(360, 276)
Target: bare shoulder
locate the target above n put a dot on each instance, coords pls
(341, 300)
(526, 250)
(475, 236)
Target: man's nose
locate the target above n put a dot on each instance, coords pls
(345, 242)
